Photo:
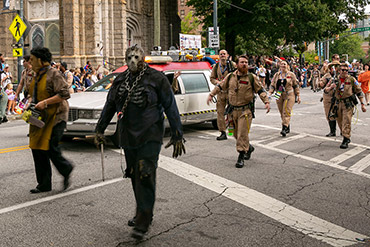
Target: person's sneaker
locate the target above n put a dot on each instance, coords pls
(8, 113)
(138, 234)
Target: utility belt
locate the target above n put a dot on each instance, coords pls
(230, 108)
(349, 102)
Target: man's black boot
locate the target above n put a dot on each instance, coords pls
(222, 136)
(240, 162)
(287, 130)
(333, 130)
(247, 155)
(283, 131)
(345, 143)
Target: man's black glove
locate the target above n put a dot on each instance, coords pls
(99, 139)
(178, 147)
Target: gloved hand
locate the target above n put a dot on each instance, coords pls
(178, 147)
(99, 139)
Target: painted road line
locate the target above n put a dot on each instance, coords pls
(361, 165)
(13, 149)
(314, 136)
(286, 140)
(300, 156)
(297, 219)
(345, 156)
(54, 197)
(292, 217)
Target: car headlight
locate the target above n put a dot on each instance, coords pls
(96, 114)
(87, 114)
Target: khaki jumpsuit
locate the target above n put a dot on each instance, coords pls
(327, 96)
(219, 72)
(287, 99)
(240, 94)
(315, 79)
(344, 108)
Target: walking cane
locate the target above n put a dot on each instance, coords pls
(102, 160)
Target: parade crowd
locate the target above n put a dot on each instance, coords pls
(140, 95)
(13, 101)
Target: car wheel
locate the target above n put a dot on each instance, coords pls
(214, 124)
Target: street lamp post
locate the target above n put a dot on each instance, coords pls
(215, 20)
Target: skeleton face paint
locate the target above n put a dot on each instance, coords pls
(135, 59)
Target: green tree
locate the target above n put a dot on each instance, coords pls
(350, 45)
(189, 25)
(272, 21)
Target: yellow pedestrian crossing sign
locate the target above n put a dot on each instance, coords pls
(18, 52)
(17, 27)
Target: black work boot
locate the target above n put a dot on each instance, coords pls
(333, 130)
(223, 136)
(287, 130)
(240, 162)
(345, 143)
(247, 155)
(283, 131)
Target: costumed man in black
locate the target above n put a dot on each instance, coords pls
(140, 95)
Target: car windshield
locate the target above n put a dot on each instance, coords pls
(103, 85)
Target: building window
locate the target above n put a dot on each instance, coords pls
(182, 2)
(52, 39)
(182, 13)
(38, 38)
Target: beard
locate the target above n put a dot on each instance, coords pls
(243, 69)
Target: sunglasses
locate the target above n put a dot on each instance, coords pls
(344, 70)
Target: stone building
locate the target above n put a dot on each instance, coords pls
(96, 30)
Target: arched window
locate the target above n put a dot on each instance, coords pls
(53, 39)
(37, 37)
(133, 32)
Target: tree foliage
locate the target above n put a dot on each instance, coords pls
(350, 45)
(273, 21)
(190, 24)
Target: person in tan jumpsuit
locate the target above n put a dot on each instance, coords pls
(328, 94)
(285, 84)
(315, 78)
(345, 90)
(219, 72)
(241, 94)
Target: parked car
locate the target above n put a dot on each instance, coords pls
(194, 87)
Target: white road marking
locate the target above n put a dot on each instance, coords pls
(57, 196)
(286, 140)
(361, 165)
(314, 136)
(300, 156)
(345, 156)
(292, 217)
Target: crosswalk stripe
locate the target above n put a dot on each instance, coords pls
(345, 156)
(300, 156)
(297, 219)
(286, 140)
(361, 165)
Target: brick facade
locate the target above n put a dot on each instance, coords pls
(94, 29)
